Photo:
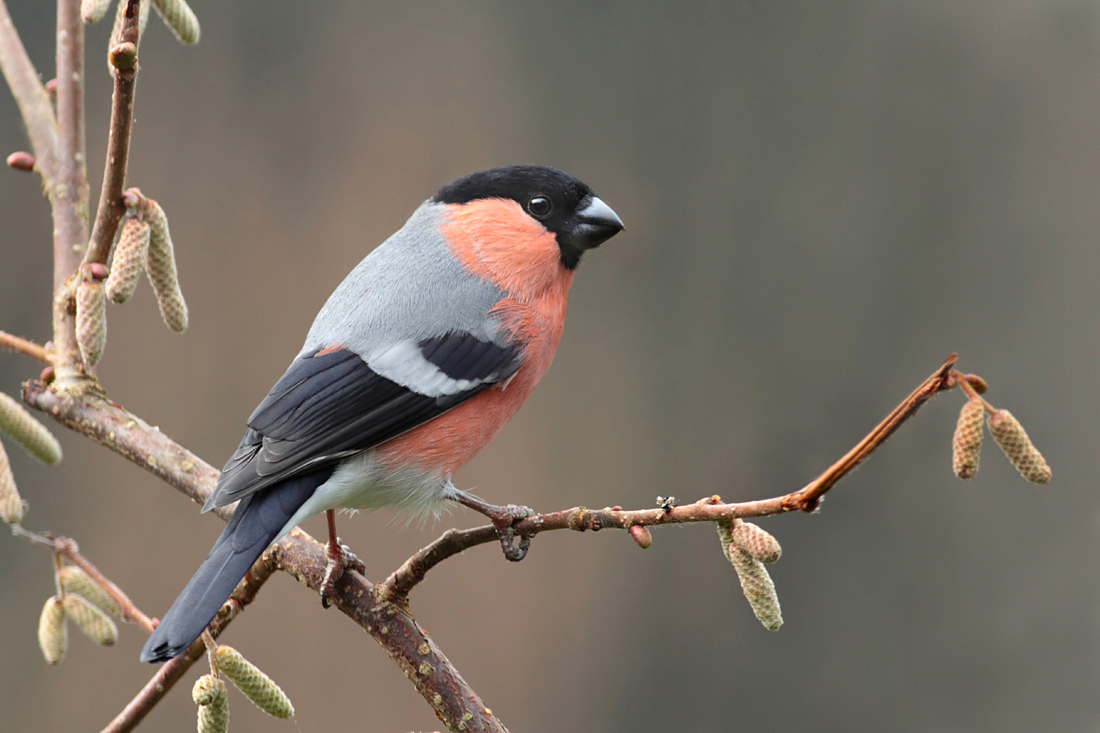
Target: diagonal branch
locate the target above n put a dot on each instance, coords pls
(171, 672)
(124, 68)
(31, 97)
(382, 609)
(391, 625)
(711, 509)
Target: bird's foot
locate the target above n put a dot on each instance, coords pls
(340, 558)
(503, 519)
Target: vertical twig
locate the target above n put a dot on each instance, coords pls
(70, 200)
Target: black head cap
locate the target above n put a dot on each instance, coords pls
(564, 205)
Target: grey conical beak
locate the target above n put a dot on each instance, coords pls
(596, 223)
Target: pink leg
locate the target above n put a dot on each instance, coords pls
(339, 557)
(502, 517)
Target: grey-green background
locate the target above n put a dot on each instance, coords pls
(823, 200)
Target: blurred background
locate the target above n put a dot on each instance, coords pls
(823, 200)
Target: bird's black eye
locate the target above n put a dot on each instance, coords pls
(540, 206)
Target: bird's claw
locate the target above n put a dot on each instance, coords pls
(503, 519)
(340, 558)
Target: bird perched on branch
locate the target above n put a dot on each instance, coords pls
(415, 362)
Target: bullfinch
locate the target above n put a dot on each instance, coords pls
(415, 362)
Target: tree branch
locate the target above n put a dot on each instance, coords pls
(710, 509)
(111, 208)
(23, 346)
(170, 673)
(70, 188)
(382, 609)
(31, 97)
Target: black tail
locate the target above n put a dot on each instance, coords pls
(254, 525)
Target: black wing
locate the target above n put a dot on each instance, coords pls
(331, 404)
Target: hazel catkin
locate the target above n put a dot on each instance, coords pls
(94, 623)
(160, 265)
(180, 19)
(11, 504)
(91, 321)
(966, 446)
(210, 695)
(1013, 440)
(756, 541)
(128, 261)
(53, 636)
(253, 683)
(75, 580)
(30, 434)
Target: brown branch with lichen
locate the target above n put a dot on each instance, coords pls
(171, 672)
(382, 609)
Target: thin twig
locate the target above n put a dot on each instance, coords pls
(382, 609)
(111, 208)
(70, 197)
(23, 346)
(64, 547)
(170, 673)
(710, 509)
(32, 98)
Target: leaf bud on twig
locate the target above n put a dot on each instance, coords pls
(128, 261)
(11, 504)
(210, 695)
(53, 636)
(966, 446)
(179, 17)
(91, 321)
(28, 432)
(160, 265)
(75, 580)
(21, 161)
(92, 11)
(1010, 435)
(756, 541)
(116, 33)
(641, 535)
(123, 56)
(89, 619)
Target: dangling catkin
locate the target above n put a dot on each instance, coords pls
(253, 684)
(92, 11)
(967, 443)
(161, 268)
(756, 584)
(128, 261)
(210, 695)
(91, 321)
(89, 619)
(756, 541)
(758, 587)
(1010, 435)
(179, 17)
(53, 637)
(11, 504)
(75, 580)
(30, 434)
